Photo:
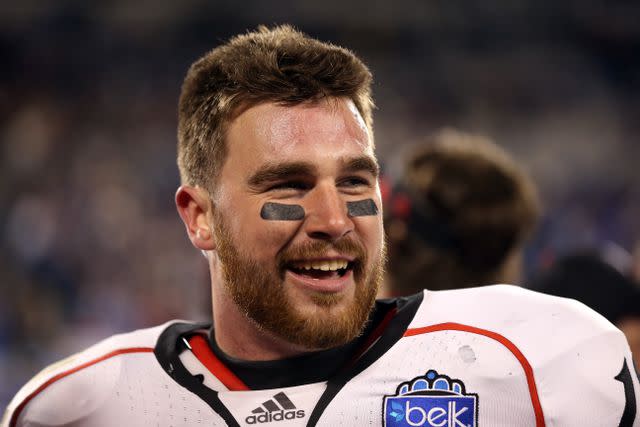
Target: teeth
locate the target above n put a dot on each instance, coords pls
(331, 265)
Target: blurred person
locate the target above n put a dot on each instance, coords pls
(280, 192)
(460, 216)
(588, 278)
(634, 270)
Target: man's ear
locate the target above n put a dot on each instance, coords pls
(194, 207)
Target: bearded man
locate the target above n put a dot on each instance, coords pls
(280, 192)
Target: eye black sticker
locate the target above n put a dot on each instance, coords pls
(365, 207)
(281, 212)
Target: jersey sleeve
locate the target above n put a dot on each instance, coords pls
(68, 392)
(61, 394)
(586, 374)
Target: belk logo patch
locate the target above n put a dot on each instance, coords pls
(432, 400)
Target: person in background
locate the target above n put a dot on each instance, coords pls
(459, 217)
(634, 272)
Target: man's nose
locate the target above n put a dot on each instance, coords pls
(327, 216)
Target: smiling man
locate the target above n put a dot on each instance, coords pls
(290, 283)
(280, 192)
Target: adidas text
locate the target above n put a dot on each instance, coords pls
(268, 417)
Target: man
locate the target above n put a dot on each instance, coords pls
(280, 192)
(459, 217)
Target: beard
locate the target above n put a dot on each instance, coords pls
(260, 292)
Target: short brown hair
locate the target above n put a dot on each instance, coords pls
(466, 204)
(280, 65)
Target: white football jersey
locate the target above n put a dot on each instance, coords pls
(489, 357)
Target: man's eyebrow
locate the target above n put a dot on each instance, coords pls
(279, 171)
(363, 163)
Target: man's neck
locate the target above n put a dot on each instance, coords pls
(240, 337)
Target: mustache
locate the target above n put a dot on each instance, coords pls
(319, 248)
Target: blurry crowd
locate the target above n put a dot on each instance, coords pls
(90, 243)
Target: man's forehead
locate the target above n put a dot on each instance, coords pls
(358, 117)
(324, 121)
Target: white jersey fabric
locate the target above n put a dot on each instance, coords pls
(489, 357)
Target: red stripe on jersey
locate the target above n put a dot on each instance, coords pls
(203, 352)
(16, 414)
(533, 391)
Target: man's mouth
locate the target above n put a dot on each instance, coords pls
(322, 269)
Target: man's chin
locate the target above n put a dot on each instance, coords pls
(329, 302)
(325, 320)
(324, 336)
(307, 305)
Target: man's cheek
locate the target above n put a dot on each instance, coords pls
(372, 234)
(273, 235)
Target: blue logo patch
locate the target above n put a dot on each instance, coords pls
(431, 400)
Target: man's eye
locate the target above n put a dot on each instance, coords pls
(355, 181)
(290, 185)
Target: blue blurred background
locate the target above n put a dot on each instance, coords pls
(90, 243)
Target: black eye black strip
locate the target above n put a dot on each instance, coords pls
(365, 207)
(281, 212)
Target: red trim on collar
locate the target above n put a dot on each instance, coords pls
(202, 351)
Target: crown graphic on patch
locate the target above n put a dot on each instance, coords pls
(431, 383)
(431, 400)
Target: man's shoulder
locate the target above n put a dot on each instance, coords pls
(563, 347)
(87, 376)
(500, 301)
(526, 316)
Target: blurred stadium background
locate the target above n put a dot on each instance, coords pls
(90, 243)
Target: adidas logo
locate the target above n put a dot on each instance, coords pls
(278, 408)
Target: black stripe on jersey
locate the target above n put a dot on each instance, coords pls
(629, 413)
(407, 308)
(166, 353)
